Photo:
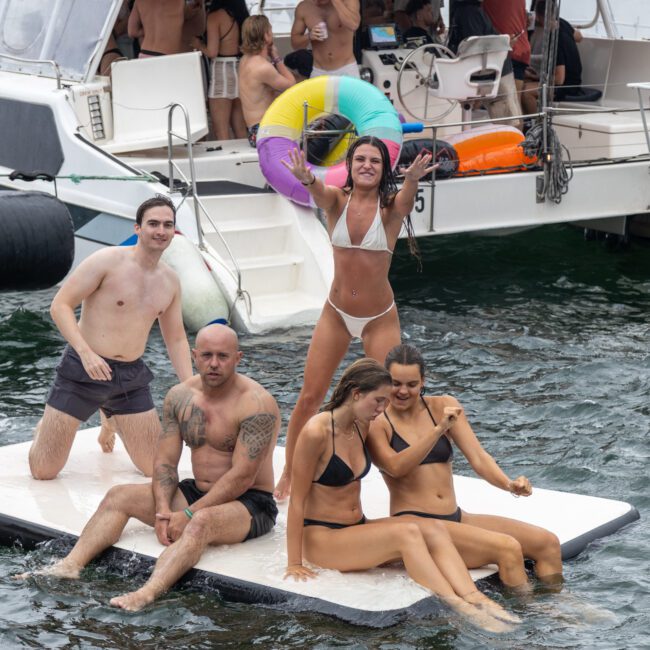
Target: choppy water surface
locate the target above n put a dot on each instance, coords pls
(544, 339)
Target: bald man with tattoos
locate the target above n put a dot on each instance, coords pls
(230, 423)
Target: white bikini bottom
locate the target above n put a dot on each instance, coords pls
(354, 324)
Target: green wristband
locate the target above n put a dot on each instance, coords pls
(188, 512)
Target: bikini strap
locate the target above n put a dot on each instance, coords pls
(333, 443)
(392, 426)
(356, 426)
(426, 406)
(232, 24)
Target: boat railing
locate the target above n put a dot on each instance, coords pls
(54, 64)
(199, 208)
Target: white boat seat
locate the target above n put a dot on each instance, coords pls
(476, 72)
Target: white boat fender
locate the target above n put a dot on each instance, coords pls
(37, 244)
(201, 299)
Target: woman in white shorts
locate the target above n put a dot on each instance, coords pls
(223, 39)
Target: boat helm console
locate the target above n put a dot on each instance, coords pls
(382, 58)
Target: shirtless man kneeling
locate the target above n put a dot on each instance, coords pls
(230, 423)
(329, 26)
(122, 291)
(262, 73)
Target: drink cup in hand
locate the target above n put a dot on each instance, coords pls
(320, 31)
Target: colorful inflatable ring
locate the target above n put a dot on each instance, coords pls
(281, 128)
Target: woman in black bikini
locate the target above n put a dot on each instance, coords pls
(325, 522)
(364, 220)
(224, 23)
(411, 444)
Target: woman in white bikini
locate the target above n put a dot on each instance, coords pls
(224, 23)
(364, 220)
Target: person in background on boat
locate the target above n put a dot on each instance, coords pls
(262, 72)
(469, 19)
(325, 521)
(431, 22)
(158, 26)
(328, 27)
(510, 17)
(411, 444)
(225, 19)
(364, 220)
(122, 291)
(230, 423)
(568, 66)
(113, 50)
(300, 62)
(194, 23)
(422, 21)
(374, 13)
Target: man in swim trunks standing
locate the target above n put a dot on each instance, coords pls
(230, 423)
(122, 291)
(329, 27)
(262, 73)
(160, 25)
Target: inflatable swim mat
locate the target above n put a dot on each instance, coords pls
(32, 511)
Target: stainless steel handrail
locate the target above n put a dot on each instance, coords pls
(198, 204)
(54, 64)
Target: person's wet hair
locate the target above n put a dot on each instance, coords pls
(157, 201)
(405, 355)
(364, 375)
(387, 186)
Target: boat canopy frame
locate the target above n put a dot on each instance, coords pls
(71, 34)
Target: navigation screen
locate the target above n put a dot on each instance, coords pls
(382, 36)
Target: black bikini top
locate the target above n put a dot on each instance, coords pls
(442, 451)
(338, 473)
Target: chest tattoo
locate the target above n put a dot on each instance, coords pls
(192, 425)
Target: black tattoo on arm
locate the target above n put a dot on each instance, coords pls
(169, 421)
(165, 478)
(256, 432)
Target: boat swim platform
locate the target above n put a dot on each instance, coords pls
(33, 511)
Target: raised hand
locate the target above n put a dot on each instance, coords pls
(419, 167)
(297, 165)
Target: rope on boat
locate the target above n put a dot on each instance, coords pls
(558, 174)
(77, 178)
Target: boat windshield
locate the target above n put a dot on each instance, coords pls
(70, 32)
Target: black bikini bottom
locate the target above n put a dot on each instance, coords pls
(331, 524)
(454, 516)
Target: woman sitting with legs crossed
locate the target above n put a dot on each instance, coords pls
(364, 220)
(411, 444)
(325, 521)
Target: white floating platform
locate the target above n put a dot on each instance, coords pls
(32, 511)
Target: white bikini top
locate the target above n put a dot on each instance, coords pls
(374, 239)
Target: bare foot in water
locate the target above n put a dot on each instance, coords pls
(477, 616)
(61, 569)
(479, 599)
(134, 600)
(106, 438)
